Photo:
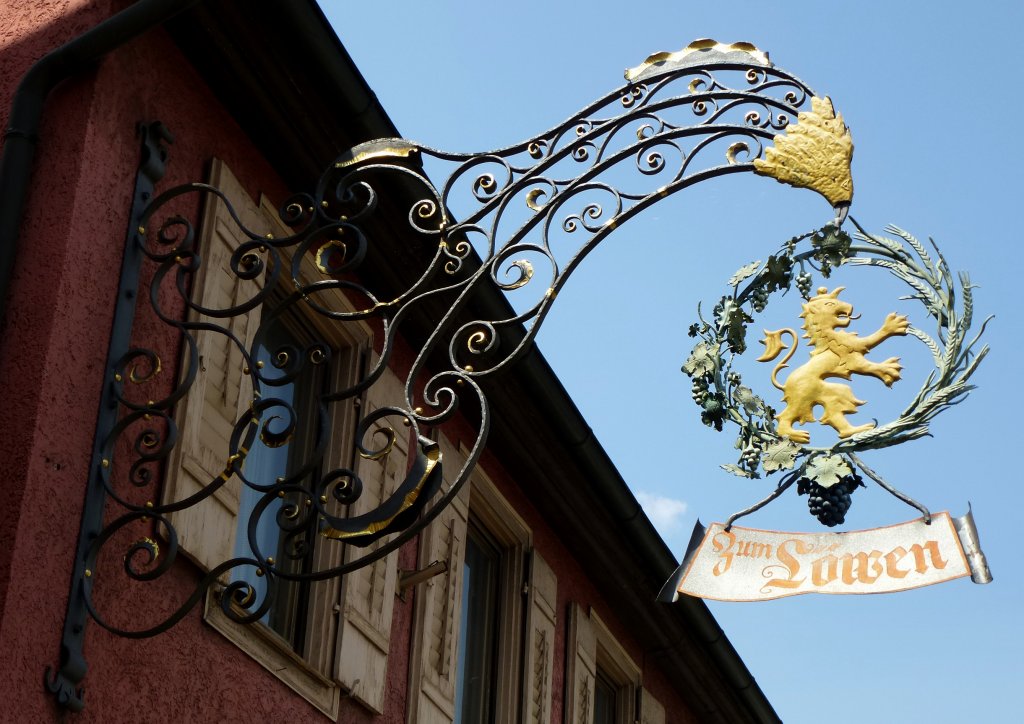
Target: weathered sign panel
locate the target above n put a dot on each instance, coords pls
(746, 564)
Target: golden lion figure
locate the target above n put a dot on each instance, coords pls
(836, 354)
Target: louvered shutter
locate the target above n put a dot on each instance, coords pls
(369, 592)
(581, 668)
(220, 391)
(540, 640)
(440, 604)
(651, 710)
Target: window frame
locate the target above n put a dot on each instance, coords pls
(479, 503)
(312, 674)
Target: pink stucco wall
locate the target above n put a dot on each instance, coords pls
(52, 355)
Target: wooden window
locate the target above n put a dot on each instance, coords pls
(304, 641)
(506, 675)
(602, 681)
(651, 710)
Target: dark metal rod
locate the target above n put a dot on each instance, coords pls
(64, 684)
(881, 481)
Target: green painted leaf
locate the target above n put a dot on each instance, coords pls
(736, 470)
(701, 361)
(744, 272)
(826, 471)
(780, 455)
(778, 272)
(746, 398)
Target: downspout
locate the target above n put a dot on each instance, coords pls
(21, 135)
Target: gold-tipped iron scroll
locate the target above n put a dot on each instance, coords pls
(699, 51)
(814, 153)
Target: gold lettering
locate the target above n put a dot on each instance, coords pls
(724, 549)
(891, 559)
(855, 567)
(933, 548)
(832, 572)
(757, 550)
(791, 564)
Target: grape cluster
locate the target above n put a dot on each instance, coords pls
(699, 390)
(750, 458)
(829, 505)
(759, 299)
(803, 283)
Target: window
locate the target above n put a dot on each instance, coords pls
(605, 698)
(602, 680)
(263, 464)
(478, 628)
(303, 640)
(471, 660)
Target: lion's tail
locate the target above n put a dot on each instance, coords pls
(773, 345)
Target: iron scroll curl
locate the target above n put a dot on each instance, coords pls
(680, 119)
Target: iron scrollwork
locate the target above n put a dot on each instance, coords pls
(500, 222)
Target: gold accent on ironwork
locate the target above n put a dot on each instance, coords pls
(433, 458)
(738, 147)
(384, 451)
(117, 377)
(88, 573)
(149, 505)
(531, 199)
(142, 229)
(814, 153)
(136, 378)
(105, 463)
(324, 250)
(526, 274)
(835, 354)
(468, 368)
(373, 150)
(696, 50)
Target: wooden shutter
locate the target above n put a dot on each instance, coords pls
(581, 668)
(651, 710)
(439, 605)
(220, 391)
(540, 640)
(369, 592)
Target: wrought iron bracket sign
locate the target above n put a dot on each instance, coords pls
(498, 223)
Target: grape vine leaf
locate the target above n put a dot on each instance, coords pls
(745, 396)
(701, 361)
(736, 470)
(778, 272)
(780, 455)
(744, 272)
(826, 471)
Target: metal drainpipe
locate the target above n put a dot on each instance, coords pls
(21, 135)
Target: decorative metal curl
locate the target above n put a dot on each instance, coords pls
(673, 123)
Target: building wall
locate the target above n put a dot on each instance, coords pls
(51, 371)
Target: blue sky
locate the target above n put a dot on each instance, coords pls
(931, 92)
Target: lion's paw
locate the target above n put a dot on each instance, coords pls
(896, 324)
(800, 437)
(889, 371)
